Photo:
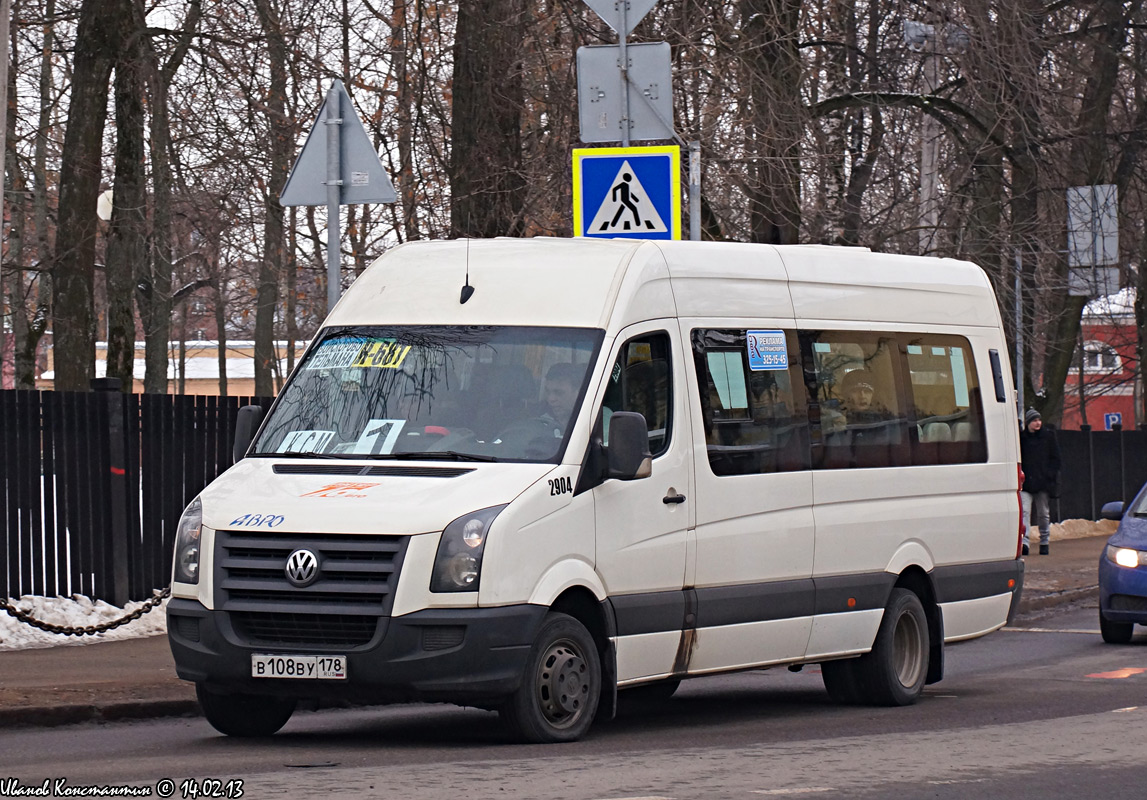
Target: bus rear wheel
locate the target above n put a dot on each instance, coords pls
(893, 674)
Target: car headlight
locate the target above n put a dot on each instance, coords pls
(458, 564)
(1125, 556)
(187, 539)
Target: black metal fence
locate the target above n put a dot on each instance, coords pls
(92, 485)
(1098, 467)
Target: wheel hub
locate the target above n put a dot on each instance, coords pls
(563, 682)
(909, 650)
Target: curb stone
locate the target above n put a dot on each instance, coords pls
(53, 716)
(1046, 600)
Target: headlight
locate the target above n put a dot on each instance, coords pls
(187, 539)
(458, 565)
(1125, 556)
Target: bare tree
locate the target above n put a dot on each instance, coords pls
(98, 40)
(487, 184)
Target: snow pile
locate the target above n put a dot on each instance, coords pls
(78, 612)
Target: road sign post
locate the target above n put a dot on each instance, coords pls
(641, 107)
(334, 181)
(340, 167)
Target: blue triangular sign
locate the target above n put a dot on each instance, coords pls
(363, 178)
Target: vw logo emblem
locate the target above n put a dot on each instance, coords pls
(302, 568)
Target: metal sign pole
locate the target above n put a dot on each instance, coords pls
(333, 184)
(624, 65)
(1019, 335)
(695, 191)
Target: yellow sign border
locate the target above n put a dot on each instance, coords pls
(674, 153)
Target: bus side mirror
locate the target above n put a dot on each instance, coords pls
(1112, 510)
(627, 456)
(245, 427)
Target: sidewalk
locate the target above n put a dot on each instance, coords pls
(135, 679)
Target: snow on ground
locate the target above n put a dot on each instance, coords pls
(78, 612)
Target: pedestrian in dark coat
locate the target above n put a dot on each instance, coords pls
(1039, 456)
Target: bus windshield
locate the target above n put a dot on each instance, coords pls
(452, 393)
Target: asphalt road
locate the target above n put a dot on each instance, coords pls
(1044, 710)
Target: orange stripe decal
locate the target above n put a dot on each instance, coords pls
(1118, 673)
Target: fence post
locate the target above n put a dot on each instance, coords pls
(1090, 468)
(1122, 465)
(109, 389)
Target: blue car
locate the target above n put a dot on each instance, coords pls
(1123, 571)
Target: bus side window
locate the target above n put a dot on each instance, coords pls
(641, 381)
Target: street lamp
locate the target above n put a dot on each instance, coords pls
(924, 38)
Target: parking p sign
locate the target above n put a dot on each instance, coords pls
(1111, 419)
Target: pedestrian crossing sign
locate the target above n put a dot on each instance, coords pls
(627, 192)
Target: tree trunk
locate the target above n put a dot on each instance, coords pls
(14, 210)
(487, 182)
(126, 248)
(271, 265)
(409, 224)
(292, 287)
(74, 344)
(770, 38)
(1088, 164)
(154, 282)
(30, 332)
(7, 143)
(220, 329)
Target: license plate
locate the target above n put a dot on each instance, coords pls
(305, 667)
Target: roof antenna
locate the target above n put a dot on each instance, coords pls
(467, 290)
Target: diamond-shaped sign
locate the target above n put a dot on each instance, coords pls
(610, 11)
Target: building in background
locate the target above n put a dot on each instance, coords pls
(197, 370)
(1110, 373)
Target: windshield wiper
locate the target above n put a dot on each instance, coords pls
(437, 455)
(297, 454)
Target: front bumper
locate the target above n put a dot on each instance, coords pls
(472, 655)
(1122, 592)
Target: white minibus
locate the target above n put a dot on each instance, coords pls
(531, 474)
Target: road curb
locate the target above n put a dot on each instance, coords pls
(1047, 600)
(52, 716)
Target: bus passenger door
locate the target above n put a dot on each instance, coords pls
(755, 533)
(642, 525)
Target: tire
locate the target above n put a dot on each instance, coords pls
(841, 682)
(1115, 632)
(893, 674)
(244, 715)
(561, 685)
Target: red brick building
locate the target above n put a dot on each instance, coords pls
(1110, 373)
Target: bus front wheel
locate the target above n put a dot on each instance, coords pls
(244, 715)
(561, 685)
